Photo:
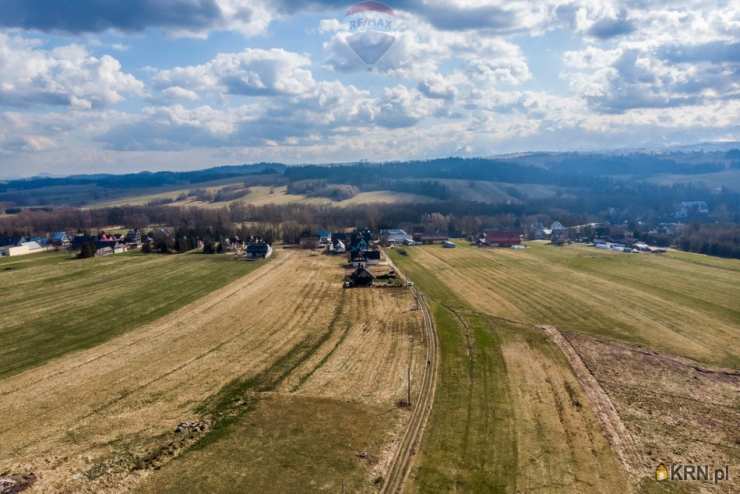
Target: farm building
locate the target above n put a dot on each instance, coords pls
(133, 238)
(424, 238)
(22, 249)
(258, 250)
(502, 238)
(360, 277)
(309, 242)
(395, 237)
(365, 257)
(336, 247)
(324, 238)
(448, 245)
(60, 239)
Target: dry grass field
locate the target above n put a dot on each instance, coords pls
(634, 323)
(274, 371)
(259, 195)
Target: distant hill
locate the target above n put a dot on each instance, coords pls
(510, 178)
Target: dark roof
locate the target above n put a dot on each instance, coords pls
(260, 248)
(372, 254)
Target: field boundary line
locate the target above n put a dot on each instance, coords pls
(617, 434)
(411, 441)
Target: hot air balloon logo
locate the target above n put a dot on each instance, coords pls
(373, 27)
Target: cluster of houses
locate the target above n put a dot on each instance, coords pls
(104, 244)
(634, 248)
(107, 244)
(20, 246)
(557, 234)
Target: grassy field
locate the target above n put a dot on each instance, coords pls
(503, 381)
(54, 304)
(685, 304)
(296, 380)
(509, 414)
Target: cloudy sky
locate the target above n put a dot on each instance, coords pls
(91, 86)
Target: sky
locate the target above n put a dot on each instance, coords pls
(104, 86)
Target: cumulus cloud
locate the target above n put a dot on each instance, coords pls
(610, 27)
(253, 72)
(627, 78)
(64, 76)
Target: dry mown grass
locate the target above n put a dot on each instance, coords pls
(509, 415)
(659, 301)
(95, 420)
(681, 303)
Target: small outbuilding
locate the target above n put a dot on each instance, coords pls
(360, 277)
(258, 250)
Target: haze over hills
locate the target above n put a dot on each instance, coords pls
(696, 165)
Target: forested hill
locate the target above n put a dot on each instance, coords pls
(594, 172)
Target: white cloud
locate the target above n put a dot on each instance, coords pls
(64, 76)
(253, 72)
(178, 92)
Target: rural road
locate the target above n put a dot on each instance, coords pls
(403, 459)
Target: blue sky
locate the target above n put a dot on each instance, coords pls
(96, 86)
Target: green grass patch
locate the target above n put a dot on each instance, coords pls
(54, 304)
(469, 444)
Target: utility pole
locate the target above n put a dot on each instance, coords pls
(408, 371)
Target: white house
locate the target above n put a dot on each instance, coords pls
(21, 250)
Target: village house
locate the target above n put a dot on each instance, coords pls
(395, 237)
(558, 234)
(324, 238)
(258, 250)
(360, 277)
(133, 238)
(22, 249)
(502, 238)
(60, 239)
(429, 238)
(336, 246)
(536, 231)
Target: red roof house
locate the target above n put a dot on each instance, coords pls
(499, 238)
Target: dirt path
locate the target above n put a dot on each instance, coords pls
(404, 457)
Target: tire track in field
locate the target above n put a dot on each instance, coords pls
(177, 320)
(293, 318)
(411, 440)
(622, 442)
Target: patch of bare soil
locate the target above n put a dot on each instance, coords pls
(674, 409)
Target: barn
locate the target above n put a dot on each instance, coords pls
(503, 238)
